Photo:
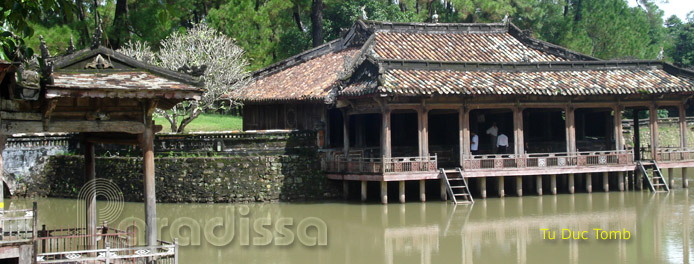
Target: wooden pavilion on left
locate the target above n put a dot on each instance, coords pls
(104, 96)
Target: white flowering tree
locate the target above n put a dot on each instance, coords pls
(200, 48)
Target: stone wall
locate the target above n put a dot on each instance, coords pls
(198, 179)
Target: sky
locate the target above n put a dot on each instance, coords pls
(679, 8)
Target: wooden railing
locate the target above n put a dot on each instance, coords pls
(674, 155)
(72, 239)
(359, 165)
(548, 160)
(17, 226)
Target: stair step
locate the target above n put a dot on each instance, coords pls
(461, 195)
(458, 187)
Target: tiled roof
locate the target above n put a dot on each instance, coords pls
(494, 46)
(566, 82)
(115, 84)
(309, 80)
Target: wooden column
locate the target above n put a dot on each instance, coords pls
(685, 182)
(424, 132)
(605, 181)
(345, 189)
(90, 198)
(385, 134)
(653, 119)
(538, 184)
(570, 129)
(345, 133)
(500, 187)
(519, 186)
(464, 119)
(363, 191)
(683, 127)
(444, 194)
(620, 181)
(422, 190)
(637, 135)
(147, 144)
(553, 184)
(519, 148)
(618, 134)
(384, 192)
(572, 183)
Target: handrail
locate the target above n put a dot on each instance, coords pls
(340, 164)
(547, 160)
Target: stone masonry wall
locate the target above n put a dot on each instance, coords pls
(198, 179)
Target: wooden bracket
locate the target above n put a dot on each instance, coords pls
(46, 111)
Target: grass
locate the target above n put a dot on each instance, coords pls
(206, 123)
(668, 135)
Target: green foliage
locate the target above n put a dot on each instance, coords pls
(681, 44)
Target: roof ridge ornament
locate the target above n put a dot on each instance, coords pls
(435, 17)
(99, 63)
(71, 46)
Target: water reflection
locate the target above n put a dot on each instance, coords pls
(490, 231)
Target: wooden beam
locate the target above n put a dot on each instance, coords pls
(385, 134)
(147, 145)
(464, 118)
(569, 112)
(345, 133)
(518, 131)
(20, 116)
(90, 199)
(10, 105)
(46, 111)
(13, 127)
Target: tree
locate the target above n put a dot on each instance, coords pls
(681, 44)
(200, 47)
(317, 22)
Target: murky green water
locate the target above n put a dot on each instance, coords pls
(492, 231)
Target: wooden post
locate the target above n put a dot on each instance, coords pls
(464, 119)
(620, 181)
(538, 184)
(653, 119)
(571, 183)
(638, 181)
(363, 191)
(518, 131)
(637, 135)
(90, 198)
(618, 134)
(444, 194)
(384, 192)
(422, 190)
(500, 186)
(519, 186)
(401, 191)
(570, 129)
(345, 189)
(683, 127)
(483, 187)
(385, 134)
(605, 182)
(685, 183)
(420, 132)
(425, 132)
(589, 182)
(553, 184)
(345, 134)
(147, 144)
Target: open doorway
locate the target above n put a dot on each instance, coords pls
(594, 129)
(444, 137)
(365, 134)
(404, 134)
(544, 130)
(482, 123)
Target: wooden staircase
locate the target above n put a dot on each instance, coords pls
(457, 186)
(655, 180)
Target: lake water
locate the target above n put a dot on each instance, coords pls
(494, 230)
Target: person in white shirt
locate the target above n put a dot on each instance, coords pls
(493, 131)
(474, 143)
(502, 143)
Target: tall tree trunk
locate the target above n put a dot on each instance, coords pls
(297, 17)
(403, 7)
(577, 6)
(317, 22)
(84, 27)
(120, 33)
